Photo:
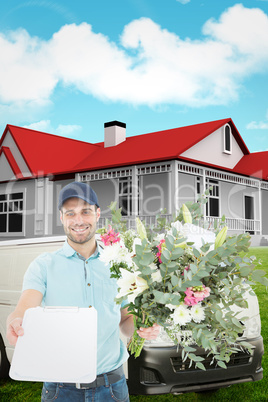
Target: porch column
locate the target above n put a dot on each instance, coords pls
(260, 206)
(204, 189)
(48, 207)
(135, 192)
(174, 188)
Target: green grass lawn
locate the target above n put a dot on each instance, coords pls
(15, 391)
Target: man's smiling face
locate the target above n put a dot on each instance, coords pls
(79, 220)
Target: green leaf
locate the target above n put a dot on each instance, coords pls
(200, 366)
(172, 265)
(195, 358)
(221, 364)
(162, 298)
(196, 253)
(141, 229)
(146, 259)
(189, 349)
(218, 315)
(193, 268)
(169, 242)
(145, 270)
(245, 271)
(176, 253)
(174, 280)
(259, 276)
(237, 323)
(165, 256)
(202, 274)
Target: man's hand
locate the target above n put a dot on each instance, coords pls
(29, 298)
(14, 330)
(150, 332)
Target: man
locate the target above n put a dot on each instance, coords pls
(74, 276)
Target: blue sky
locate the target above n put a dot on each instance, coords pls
(67, 67)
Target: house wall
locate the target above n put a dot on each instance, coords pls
(106, 191)
(232, 200)
(186, 189)
(154, 193)
(210, 150)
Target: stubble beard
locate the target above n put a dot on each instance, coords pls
(75, 240)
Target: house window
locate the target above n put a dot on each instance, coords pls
(11, 213)
(227, 147)
(125, 196)
(213, 204)
(198, 186)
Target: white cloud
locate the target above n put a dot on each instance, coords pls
(183, 1)
(62, 129)
(254, 125)
(25, 71)
(261, 125)
(150, 66)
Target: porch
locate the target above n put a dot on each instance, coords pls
(235, 225)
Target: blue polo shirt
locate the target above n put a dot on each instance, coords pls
(65, 278)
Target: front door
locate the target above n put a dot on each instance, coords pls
(249, 214)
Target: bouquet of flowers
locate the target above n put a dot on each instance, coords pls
(184, 277)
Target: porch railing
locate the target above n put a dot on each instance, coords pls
(234, 224)
(238, 224)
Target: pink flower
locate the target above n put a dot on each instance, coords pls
(196, 294)
(202, 294)
(190, 300)
(160, 246)
(110, 237)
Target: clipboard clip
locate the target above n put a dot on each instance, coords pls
(57, 309)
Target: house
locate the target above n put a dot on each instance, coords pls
(143, 173)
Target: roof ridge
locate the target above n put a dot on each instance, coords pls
(50, 134)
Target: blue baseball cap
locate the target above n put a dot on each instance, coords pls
(80, 190)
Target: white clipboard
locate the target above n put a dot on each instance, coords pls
(59, 345)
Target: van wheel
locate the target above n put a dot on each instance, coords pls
(4, 363)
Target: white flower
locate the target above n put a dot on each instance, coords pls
(130, 284)
(181, 315)
(159, 237)
(116, 253)
(195, 234)
(110, 253)
(197, 313)
(156, 276)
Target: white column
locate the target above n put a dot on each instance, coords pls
(39, 207)
(260, 207)
(48, 210)
(204, 189)
(174, 188)
(135, 192)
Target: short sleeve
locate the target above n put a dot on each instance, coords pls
(36, 275)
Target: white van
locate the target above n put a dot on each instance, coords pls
(160, 368)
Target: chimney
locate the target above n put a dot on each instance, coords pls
(114, 133)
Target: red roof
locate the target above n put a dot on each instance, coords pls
(47, 154)
(255, 165)
(157, 146)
